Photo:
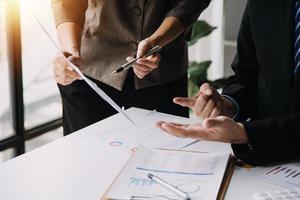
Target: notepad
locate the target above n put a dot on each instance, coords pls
(200, 175)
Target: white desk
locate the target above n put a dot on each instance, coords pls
(242, 185)
(72, 169)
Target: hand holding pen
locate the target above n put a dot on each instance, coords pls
(147, 60)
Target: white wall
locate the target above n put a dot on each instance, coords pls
(220, 46)
(211, 47)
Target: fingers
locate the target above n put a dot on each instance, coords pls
(140, 74)
(129, 58)
(185, 102)
(76, 61)
(173, 129)
(144, 66)
(209, 107)
(221, 129)
(208, 103)
(217, 111)
(143, 47)
(206, 89)
(200, 104)
(195, 131)
(63, 72)
(63, 78)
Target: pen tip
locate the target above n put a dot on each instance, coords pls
(150, 175)
(113, 73)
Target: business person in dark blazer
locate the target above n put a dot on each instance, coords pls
(265, 89)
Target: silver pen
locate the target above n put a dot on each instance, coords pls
(126, 66)
(169, 187)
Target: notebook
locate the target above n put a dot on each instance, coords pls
(202, 176)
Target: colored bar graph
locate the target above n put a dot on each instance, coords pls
(288, 174)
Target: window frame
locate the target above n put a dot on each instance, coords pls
(14, 56)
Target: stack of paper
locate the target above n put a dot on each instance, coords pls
(198, 174)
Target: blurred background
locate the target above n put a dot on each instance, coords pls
(30, 106)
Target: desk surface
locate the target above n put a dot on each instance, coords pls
(75, 168)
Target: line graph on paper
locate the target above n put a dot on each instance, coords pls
(197, 174)
(173, 163)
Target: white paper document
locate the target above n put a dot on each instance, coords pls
(286, 175)
(93, 85)
(128, 138)
(197, 174)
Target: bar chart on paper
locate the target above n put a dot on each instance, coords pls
(286, 175)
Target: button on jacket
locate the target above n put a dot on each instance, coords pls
(112, 30)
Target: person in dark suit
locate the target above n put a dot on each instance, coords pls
(259, 110)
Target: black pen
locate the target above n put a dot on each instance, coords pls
(126, 66)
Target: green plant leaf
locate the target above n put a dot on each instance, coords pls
(197, 72)
(192, 88)
(200, 29)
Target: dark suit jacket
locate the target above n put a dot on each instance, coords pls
(112, 30)
(265, 85)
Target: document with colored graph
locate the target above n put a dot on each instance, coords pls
(200, 175)
(287, 175)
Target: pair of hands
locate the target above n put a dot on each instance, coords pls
(65, 75)
(208, 103)
(217, 112)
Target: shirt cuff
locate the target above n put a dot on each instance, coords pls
(234, 102)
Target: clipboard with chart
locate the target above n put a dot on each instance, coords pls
(202, 176)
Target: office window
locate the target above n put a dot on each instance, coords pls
(41, 96)
(43, 139)
(6, 154)
(5, 106)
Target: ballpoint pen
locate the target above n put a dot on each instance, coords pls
(169, 187)
(126, 66)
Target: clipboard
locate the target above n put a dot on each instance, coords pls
(223, 186)
(227, 177)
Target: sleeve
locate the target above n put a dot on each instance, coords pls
(69, 11)
(186, 11)
(272, 140)
(243, 85)
(235, 104)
